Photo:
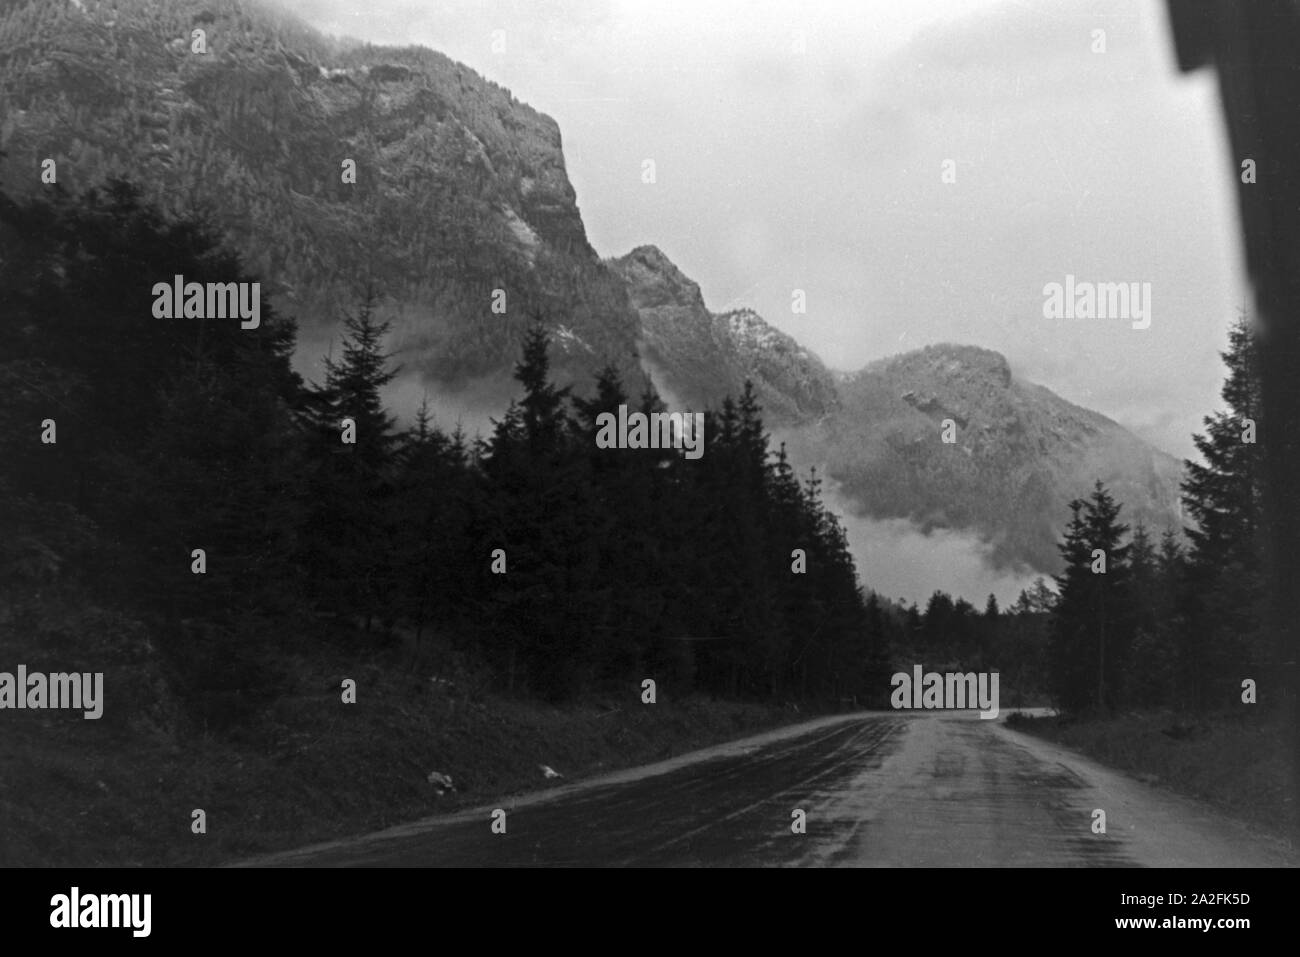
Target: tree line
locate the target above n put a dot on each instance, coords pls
(1138, 621)
(558, 567)
(195, 479)
(1177, 623)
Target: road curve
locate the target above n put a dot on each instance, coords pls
(877, 789)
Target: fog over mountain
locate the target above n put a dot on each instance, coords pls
(1018, 453)
(463, 203)
(802, 147)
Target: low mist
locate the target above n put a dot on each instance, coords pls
(898, 560)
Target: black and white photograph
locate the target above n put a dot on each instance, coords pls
(690, 434)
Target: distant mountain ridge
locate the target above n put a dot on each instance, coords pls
(1021, 452)
(462, 198)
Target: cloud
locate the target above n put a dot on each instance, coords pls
(472, 407)
(898, 560)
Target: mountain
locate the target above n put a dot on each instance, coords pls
(700, 357)
(460, 189)
(461, 195)
(1020, 454)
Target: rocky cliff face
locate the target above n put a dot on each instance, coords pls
(460, 196)
(701, 357)
(793, 384)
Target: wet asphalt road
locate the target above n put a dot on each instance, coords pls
(918, 789)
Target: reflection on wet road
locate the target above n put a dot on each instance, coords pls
(878, 789)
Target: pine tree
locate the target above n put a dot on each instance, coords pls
(1092, 623)
(349, 474)
(1171, 623)
(627, 620)
(938, 629)
(991, 608)
(433, 509)
(1148, 678)
(1226, 571)
(1021, 643)
(353, 385)
(547, 608)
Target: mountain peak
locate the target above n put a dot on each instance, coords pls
(653, 257)
(700, 357)
(654, 281)
(754, 332)
(952, 361)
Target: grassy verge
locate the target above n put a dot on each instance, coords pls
(303, 767)
(1238, 763)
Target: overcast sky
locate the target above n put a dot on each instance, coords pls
(800, 145)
